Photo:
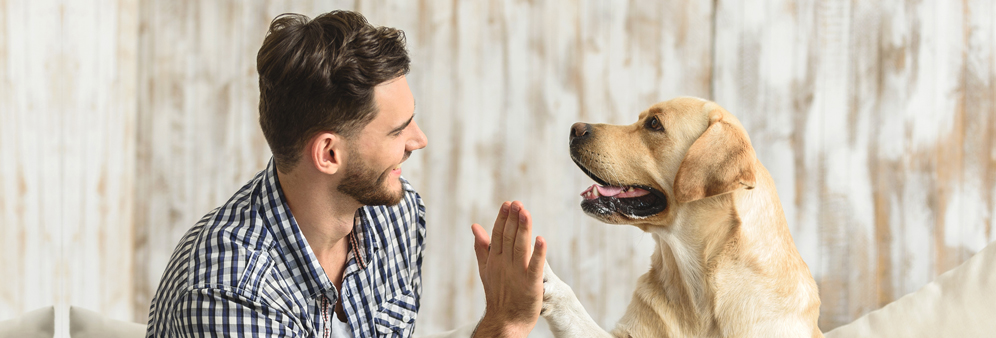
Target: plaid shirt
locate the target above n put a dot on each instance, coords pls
(245, 269)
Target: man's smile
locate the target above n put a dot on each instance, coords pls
(397, 169)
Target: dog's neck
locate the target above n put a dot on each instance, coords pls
(699, 232)
(684, 249)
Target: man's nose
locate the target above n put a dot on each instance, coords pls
(579, 132)
(419, 141)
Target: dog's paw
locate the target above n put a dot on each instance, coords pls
(556, 293)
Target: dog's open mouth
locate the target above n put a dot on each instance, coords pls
(631, 200)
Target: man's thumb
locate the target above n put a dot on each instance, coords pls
(481, 243)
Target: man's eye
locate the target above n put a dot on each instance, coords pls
(654, 124)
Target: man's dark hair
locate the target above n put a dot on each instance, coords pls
(319, 75)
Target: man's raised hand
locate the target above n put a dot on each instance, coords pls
(512, 273)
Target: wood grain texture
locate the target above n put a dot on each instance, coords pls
(98, 161)
(498, 85)
(123, 122)
(30, 203)
(67, 143)
(865, 126)
(198, 135)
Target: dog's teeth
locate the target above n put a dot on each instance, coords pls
(594, 193)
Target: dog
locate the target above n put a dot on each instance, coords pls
(725, 264)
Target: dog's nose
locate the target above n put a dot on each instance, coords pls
(580, 131)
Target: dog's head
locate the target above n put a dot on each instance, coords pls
(679, 151)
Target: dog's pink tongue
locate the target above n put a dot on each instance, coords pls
(609, 191)
(617, 192)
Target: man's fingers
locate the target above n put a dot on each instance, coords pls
(523, 237)
(511, 229)
(497, 232)
(538, 260)
(481, 243)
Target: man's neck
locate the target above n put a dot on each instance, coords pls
(325, 217)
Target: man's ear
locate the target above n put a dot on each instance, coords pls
(719, 161)
(325, 152)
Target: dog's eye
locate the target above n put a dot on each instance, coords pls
(654, 124)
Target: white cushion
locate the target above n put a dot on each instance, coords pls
(35, 324)
(84, 323)
(959, 303)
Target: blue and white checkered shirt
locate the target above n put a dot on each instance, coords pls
(245, 269)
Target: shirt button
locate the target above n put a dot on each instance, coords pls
(406, 318)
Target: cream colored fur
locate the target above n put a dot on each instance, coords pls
(725, 264)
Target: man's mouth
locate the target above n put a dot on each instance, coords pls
(631, 200)
(403, 159)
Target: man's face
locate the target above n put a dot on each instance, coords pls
(373, 168)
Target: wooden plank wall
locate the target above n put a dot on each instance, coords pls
(123, 122)
(67, 145)
(876, 120)
(499, 84)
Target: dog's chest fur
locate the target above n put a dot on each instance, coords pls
(700, 284)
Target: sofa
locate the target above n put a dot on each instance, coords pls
(959, 303)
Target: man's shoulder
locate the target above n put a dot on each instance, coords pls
(219, 267)
(230, 243)
(226, 243)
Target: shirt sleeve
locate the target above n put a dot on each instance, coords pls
(222, 313)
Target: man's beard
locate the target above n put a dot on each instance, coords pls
(363, 184)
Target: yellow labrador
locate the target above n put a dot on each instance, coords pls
(725, 264)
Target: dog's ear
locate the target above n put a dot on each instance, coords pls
(719, 161)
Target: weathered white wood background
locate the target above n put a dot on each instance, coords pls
(122, 122)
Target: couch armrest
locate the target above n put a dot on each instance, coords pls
(959, 303)
(34, 324)
(84, 323)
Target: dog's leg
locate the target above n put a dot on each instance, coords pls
(563, 311)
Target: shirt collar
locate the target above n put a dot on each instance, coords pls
(300, 258)
(366, 239)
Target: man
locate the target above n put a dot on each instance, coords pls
(328, 239)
